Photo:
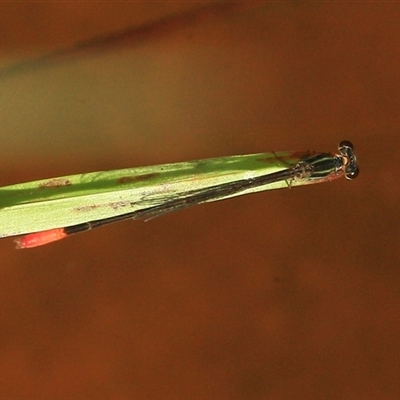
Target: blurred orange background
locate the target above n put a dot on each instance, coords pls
(290, 294)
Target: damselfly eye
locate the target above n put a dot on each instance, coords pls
(352, 174)
(346, 143)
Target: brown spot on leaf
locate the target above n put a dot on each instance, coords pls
(136, 178)
(86, 208)
(55, 183)
(114, 205)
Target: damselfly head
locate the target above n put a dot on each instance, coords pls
(346, 149)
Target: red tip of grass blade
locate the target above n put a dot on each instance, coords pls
(40, 238)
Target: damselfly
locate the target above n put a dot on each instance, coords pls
(48, 210)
